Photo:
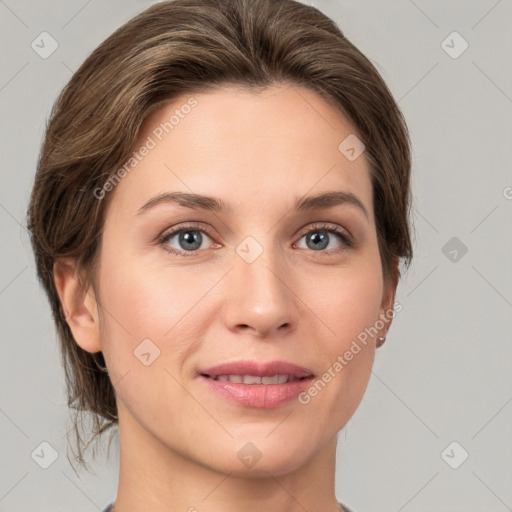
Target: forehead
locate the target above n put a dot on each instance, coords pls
(241, 145)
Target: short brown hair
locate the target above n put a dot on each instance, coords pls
(186, 46)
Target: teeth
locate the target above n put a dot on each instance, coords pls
(254, 379)
(251, 379)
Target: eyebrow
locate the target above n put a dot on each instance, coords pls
(208, 203)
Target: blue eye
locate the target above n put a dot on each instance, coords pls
(189, 240)
(318, 240)
(320, 237)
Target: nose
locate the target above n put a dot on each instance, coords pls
(260, 298)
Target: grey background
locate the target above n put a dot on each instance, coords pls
(443, 374)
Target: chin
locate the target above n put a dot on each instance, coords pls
(260, 455)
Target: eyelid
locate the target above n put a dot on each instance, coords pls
(196, 225)
(326, 226)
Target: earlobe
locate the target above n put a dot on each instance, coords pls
(78, 305)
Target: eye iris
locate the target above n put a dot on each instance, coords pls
(190, 237)
(319, 239)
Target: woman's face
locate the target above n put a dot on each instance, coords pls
(258, 284)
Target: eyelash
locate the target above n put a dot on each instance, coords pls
(345, 238)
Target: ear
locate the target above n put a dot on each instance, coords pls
(79, 305)
(386, 312)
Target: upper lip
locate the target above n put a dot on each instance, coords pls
(257, 368)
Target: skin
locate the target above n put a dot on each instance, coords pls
(258, 151)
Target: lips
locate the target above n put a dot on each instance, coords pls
(257, 369)
(255, 384)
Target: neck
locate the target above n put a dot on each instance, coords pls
(154, 477)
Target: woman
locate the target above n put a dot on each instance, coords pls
(218, 217)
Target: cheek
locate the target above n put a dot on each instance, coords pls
(146, 331)
(348, 302)
(349, 308)
(162, 305)
(355, 307)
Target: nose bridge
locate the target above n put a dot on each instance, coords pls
(259, 296)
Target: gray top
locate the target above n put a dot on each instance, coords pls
(344, 507)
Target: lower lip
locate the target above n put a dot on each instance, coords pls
(262, 396)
